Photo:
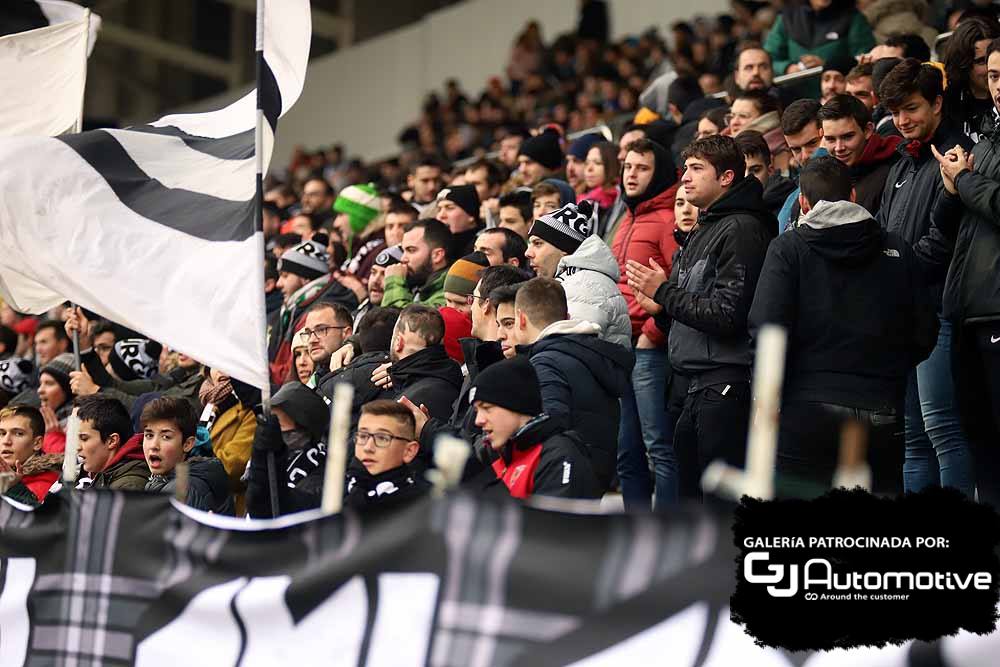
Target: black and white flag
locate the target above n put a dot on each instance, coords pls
(44, 45)
(153, 226)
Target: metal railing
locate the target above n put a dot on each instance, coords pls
(784, 79)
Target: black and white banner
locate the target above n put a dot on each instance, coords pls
(103, 578)
(153, 226)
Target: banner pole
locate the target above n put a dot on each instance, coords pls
(265, 391)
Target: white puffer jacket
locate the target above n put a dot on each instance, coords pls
(590, 278)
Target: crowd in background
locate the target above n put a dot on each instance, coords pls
(570, 270)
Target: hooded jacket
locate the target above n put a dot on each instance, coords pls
(647, 232)
(582, 378)
(41, 471)
(358, 374)
(910, 201)
(712, 284)
(849, 343)
(872, 170)
(542, 459)
(428, 376)
(399, 295)
(590, 277)
(208, 486)
(126, 470)
(972, 287)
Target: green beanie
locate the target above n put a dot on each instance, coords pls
(361, 204)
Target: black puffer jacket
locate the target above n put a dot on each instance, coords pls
(430, 377)
(972, 288)
(848, 344)
(582, 378)
(712, 284)
(208, 486)
(909, 204)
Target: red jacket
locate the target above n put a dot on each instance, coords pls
(648, 233)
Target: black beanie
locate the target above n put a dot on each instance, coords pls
(464, 196)
(135, 358)
(544, 149)
(510, 384)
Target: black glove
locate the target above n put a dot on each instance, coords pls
(268, 435)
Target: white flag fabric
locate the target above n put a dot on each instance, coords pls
(45, 69)
(153, 226)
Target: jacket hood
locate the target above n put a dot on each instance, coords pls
(592, 255)
(611, 364)
(535, 432)
(744, 197)
(878, 150)
(432, 361)
(131, 450)
(776, 191)
(664, 176)
(305, 407)
(842, 232)
(570, 327)
(479, 354)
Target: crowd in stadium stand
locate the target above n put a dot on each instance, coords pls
(570, 269)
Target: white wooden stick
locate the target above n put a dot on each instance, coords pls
(336, 448)
(450, 455)
(70, 467)
(762, 445)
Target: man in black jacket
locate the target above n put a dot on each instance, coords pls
(972, 288)
(707, 299)
(850, 346)
(937, 450)
(582, 378)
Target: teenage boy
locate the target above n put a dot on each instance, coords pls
(21, 431)
(111, 455)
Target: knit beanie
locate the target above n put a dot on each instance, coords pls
(566, 193)
(308, 260)
(582, 145)
(544, 149)
(16, 374)
(136, 358)
(565, 228)
(361, 203)
(510, 384)
(456, 327)
(463, 276)
(465, 196)
(59, 368)
(391, 255)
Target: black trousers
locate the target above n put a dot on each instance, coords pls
(713, 425)
(809, 447)
(976, 368)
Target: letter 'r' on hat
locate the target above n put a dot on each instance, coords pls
(307, 259)
(565, 228)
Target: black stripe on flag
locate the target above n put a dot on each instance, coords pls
(235, 147)
(269, 96)
(199, 215)
(21, 15)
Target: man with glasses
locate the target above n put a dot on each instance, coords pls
(461, 282)
(385, 444)
(326, 328)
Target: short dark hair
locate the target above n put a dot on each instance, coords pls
(398, 205)
(513, 246)
(9, 339)
(57, 327)
(426, 160)
(846, 106)
(716, 116)
(287, 240)
(494, 277)
(753, 144)
(860, 71)
(505, 294)
(994, 46)
(544, 189)
(521, 200)
(375, 329)
(107, 415)
(543, 300)
(176, 410)
(913, 46)
(798, 114)
(32, 414)
(496, 173)
(389, 408)
(424, 321)
(825, 178)
(436, 233)
(909, 77)
(340, 313)
(764, 101)
(721, 152)
(314, 220)
(327, 190)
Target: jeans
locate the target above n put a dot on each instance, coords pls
(645, 435)
(809, 447)
(713, 426)
(937, 451)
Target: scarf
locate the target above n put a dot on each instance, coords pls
(214, 393)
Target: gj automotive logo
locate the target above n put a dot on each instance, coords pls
(819, 580)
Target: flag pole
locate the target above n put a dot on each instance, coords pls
(265, 391)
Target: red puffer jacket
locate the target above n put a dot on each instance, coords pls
(648, 233)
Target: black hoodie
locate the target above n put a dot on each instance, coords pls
(582, 378)
(430, 377)
(711, 287)
(208, 485)
(664, 175)
(850, 296)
